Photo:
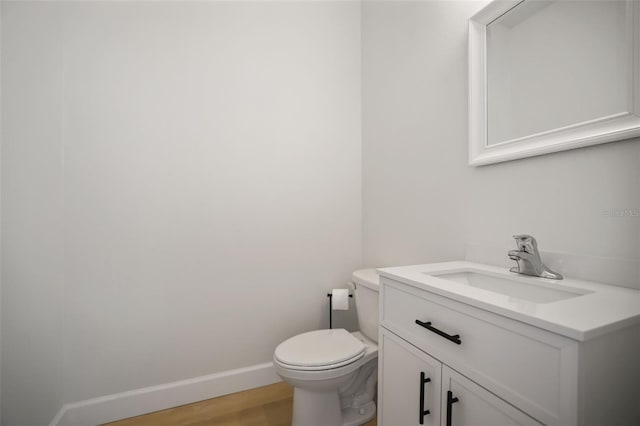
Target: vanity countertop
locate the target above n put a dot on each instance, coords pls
(594, 310)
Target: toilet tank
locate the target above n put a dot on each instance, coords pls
(367, 284)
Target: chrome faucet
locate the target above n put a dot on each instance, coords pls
(528, 259)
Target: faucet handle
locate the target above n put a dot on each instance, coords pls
(528, 258)
(526, 243)
(523, 237)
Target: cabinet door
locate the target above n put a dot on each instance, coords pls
(409, 384)
(464, 403)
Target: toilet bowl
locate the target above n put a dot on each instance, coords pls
(334, 372)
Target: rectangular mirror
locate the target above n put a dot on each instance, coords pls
(552, 75)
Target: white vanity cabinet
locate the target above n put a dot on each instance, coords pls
(420, 390)
(502, 371)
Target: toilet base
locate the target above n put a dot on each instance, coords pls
(315, 408)
(323, 409)
(358, 416)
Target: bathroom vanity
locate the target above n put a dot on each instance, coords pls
(462, 343)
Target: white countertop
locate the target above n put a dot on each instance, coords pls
(603, 309)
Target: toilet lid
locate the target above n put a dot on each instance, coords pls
(319, 348)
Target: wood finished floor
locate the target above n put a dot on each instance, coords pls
(265, 406)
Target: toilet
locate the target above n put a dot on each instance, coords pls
(334, 372)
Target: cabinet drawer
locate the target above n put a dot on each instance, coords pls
(520, 363)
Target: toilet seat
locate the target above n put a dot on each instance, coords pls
(319, 350)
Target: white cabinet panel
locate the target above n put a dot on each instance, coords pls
(403, 394)
(476, 406)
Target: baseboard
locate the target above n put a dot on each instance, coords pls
(123, 405)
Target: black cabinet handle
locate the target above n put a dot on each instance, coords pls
(423, 381)
(450, 401)
(454, 338)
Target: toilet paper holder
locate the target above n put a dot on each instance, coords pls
(330, 296)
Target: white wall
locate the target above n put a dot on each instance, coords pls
(32, 219)
(415, 178)
(180, 186)
(422, 203)
(0, 213)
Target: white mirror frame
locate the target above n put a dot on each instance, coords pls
(601, 130)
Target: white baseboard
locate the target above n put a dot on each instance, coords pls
(122, 405)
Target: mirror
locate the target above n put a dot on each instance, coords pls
(552, 75)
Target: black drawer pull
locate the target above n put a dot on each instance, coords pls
(455, 339)
(450, 401)
(423, 381)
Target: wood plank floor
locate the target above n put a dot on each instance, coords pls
(265, 406)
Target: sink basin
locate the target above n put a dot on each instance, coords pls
(531, 289)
